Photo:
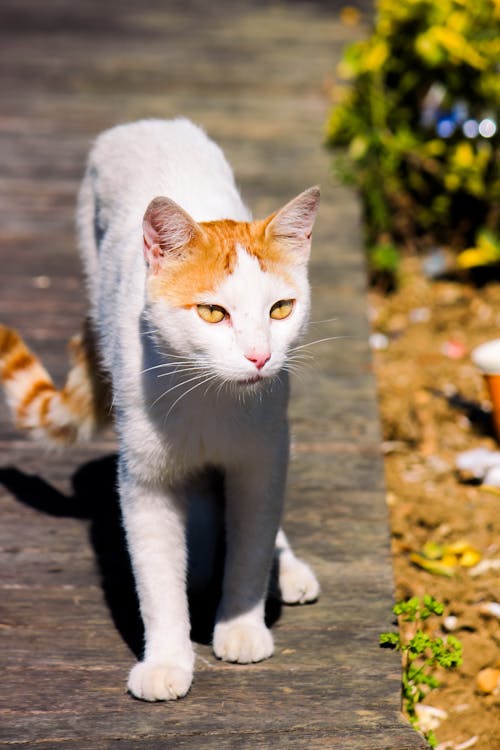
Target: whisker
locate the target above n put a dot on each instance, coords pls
(298, 365)
(222, 383)
(179, 370)
(326, 320)
(192, 358)
(164, 365)
(302, 356)
(196, 385)
(318, 341)
(178, 385)
(207, 388)
(296, 374)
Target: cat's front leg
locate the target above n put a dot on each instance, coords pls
(297, 583)
(154, 520)
(254, 498)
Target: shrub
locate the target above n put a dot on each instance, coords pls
(419, 116)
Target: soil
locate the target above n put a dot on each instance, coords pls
(434, 405)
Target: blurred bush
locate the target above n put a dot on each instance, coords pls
(418, 107)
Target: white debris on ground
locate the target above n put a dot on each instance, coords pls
(429, 717)
(480, 463)
(452, 745)
(490, 609)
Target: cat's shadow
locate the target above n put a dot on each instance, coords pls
(95, 499)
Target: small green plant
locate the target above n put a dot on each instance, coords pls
(421, 654)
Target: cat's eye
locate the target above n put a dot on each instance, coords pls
(282, 309)
(211, 313)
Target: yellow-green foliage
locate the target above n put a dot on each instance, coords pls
(419, 186)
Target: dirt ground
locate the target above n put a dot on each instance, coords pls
(434, 405)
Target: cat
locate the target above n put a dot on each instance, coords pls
(195, 310)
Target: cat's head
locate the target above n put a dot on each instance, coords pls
(231, 296)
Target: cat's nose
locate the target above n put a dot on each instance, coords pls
(259, 359)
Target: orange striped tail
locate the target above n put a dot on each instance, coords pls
(65, 416)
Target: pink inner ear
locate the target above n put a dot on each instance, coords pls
(151, 247)
(167, 229)
(294, 222)
(151, 236)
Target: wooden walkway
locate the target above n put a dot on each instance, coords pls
(253, 73)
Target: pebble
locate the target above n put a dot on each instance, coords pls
(450, 623)
(419, 315)
(488, 680)
(478, 461)
(491, 609)
(485, 566)
(379, 341)
(492, 477)
(453, 349)
(435, 264)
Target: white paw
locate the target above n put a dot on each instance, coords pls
(242, 642)
(297, 582)
(151, 681)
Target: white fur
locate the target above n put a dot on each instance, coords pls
(181, 400)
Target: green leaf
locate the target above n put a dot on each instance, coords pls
(385, 257)
(390, 639)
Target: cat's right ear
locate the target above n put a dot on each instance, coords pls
(167, 229)
(293, 224)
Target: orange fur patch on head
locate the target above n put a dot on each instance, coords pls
(211, 257)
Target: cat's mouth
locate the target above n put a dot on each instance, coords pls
(250, 381)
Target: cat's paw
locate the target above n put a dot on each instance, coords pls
(242, 642)
(297, 582)
(151, 681)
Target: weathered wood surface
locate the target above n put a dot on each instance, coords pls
(253, 74)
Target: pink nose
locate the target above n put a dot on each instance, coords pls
(259, 359)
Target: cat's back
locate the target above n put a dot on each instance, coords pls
(148, 145)
(135, 162)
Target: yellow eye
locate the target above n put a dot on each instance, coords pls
(211, 313)
(282, 309)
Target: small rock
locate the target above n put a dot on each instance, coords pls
(450, 623)
(477, 461)
(492, 477)
(490, 609)
(485, 566)
(435, 264)
(379, 341)
(419, 315)
(488, 680)
(453, 349)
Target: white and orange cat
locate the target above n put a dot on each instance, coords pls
(195, 310)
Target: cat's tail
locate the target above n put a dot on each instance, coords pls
(58, 417)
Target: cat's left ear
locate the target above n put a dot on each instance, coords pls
(292, 225)
(167, 229)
